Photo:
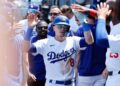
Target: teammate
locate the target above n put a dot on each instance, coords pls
(68, 12)
(59, 52)
(112, 41)
(36, 63)
(91, 69)
(54, 12)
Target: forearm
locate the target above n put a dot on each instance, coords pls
(83, 9)
(26, 42)
(25, 69)
(88, 34)
(101, 33)
(90, 12)
(77, 59)
(89, 37)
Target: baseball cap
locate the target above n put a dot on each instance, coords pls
(89, 14)
(63, 20)
(33, 8)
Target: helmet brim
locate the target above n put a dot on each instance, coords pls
(62, 23)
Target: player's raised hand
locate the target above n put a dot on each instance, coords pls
(32, 20)
(103, 10)
(105, 73)
(31, 77)
(15, 29)
(17, 26)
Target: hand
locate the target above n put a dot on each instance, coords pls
(17, 26)
(79, 8)
(32, 77)
(32, 20)
(105, 73)
(14, 29)
(103, 10)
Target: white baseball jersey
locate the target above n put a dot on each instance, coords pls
(113, 52)
(59, 57)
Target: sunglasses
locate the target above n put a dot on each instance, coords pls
(66, 27)
(55, 14)
(42, 27)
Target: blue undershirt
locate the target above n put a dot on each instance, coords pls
(101, 34)
(92, 60)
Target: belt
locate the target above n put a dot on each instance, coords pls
(67, 82)
(110, 73)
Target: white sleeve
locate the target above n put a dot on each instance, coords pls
(114, 42)
(39, 47)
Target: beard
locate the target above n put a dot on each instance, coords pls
(42, 34)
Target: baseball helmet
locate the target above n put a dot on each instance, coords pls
(61, 20)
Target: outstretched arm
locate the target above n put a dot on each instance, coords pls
(84, 10)
(86, 34)
(31, 23)
(101, 33)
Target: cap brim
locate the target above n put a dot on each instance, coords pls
(62, 23)
(33, 11)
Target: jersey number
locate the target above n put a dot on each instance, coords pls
(114, 55)
(71, 62)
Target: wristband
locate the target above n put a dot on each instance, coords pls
(92, 13)
(28, 34)
(86, 27)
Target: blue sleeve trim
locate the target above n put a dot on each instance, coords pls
(79, 32)
(83, 43)
(33, 49)
(28, 34)
(101, 34)
(86, 27)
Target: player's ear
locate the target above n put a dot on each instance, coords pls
(53, 27)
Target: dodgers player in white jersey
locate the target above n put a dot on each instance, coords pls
(111, 41)
(59, 52)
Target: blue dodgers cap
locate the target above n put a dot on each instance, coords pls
(61, 20)
(33, 8)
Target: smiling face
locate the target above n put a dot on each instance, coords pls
(61, 27)
(42, 29)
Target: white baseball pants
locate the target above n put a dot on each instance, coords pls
(98, 80)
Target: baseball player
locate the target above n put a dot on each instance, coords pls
(92, 59)
(59, 52)
(54, 11)
(36, 62)
(112, 41)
